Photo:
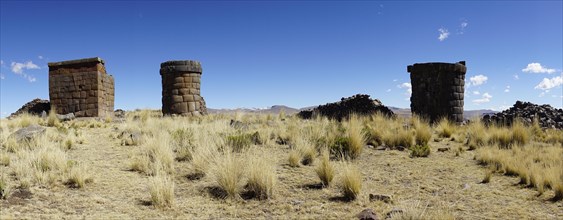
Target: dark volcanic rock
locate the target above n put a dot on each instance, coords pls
(548, 117)
(34, 107)
(359, 104)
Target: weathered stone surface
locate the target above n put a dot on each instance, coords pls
(35, 107)
(438, 90)
(367, 214)
(359, 104)
(547, 116)
(28, 133)
(66, 117)
(81, 87)
(181, 88)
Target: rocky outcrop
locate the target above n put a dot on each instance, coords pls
(548, 117)
(359, 104)
(35, 107)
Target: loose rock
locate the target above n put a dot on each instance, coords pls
(548, 117)
(367, 214)
(28, 133)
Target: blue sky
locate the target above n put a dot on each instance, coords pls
(258, 54)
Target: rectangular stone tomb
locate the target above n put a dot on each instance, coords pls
(81, 87)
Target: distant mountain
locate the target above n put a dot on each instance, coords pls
(404, 112)
(276, 109)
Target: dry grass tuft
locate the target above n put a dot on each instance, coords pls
(445, 128)
(227, 173)
(477, 135)
(325, 170)
(356, 137)
(156, 156)
(78, 176)
(351, 181)
(423, 131)
(261, 177)
(294, 158)
(161, 188)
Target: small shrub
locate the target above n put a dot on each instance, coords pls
(325, 170)
(351, 182)
(161, 188)
(423, 134)
(420, 151)
(261, 178)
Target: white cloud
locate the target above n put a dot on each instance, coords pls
(484, 99)
(40, 57)
(18, 69)
(537, 68)
(444, 34)
(2, 76)
(507, 89)
(1, 62)
(477, 80)
(516, 77)
(476, 93)
(407, 86)
(547, 84)
(389, 90)
(394, 80)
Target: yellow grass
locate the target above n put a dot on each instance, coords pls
(261, 177)
(227, 173)
(161, 188)
(445, 128)
(325, 169)
(350, 181)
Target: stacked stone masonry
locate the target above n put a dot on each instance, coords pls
(81, 87)
(438, 90)
(181, 83)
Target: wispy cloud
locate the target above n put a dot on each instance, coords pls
(476, 93)
(462, 27)
(547, 84)
(537, 68)
(484, 99)
(477, 80)
(388, 90)
(516, 77)
(444, 34)
(2, 76)
(19, 68)
(507, 89)
(407, 86)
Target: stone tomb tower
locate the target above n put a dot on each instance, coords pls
(437, 90)
(81, 87)
(181, 80)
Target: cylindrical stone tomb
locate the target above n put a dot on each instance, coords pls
(438, 90)
(181, 88)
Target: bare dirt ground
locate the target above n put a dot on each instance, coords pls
(443, 182)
